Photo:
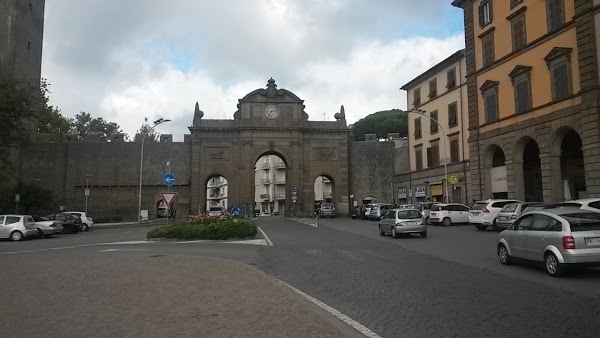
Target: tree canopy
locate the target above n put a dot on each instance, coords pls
(50, 120)
(381, 123)
(146, 128)
(83, 123)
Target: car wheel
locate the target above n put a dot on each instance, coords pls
(427, 220)
(503, 255)
(553, 266)
(394, 234)
(16, 236)
(446, 221)
(481, 226)
(495, 226)
(85, 227)
(40, 233)
(48, 236)
(423, 234)
(381, 233)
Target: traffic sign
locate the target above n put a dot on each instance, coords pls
(18, 198)
(169, 179)
(294, 198)
(87, 191)
(294, 190)
(236, 212)
(168, 197)
(453, 179)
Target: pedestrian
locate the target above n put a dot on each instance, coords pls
(362, 212)
(472, 204)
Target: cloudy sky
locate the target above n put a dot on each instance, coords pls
(126, 60)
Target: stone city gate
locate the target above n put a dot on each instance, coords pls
(270, 121)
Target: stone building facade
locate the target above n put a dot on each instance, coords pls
(21, 39)
(532, 83)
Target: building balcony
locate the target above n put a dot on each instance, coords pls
(280, 196)
(279, 165)
(215, 197)
(265, 196)
(265, 166)
(265, 181)
(280, 181)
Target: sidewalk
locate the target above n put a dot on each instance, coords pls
(140, 295)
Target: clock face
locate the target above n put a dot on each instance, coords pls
(271, 111)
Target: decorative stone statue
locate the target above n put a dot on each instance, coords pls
(198, 114)
(341, 115)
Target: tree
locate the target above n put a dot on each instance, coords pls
(83, 124)
(381, 123)
(34, 199)
(152, 135)
(49, 118)
(19, 103)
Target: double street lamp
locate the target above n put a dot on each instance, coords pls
(421, 112)
(148, 129)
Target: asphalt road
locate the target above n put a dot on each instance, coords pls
(448, 284)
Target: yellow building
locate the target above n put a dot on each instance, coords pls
(438, 101)
(532, 82)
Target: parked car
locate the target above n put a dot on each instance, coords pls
(425, 209)
(557, 237)
(510, 212)
(378, 210)
(591, 204)
(216, 211)
(327, 210)
(484, 213)
(403, 221)
(46, 227)
(17, 227)
(449, 213)
(356, 212)
(368, 209)
(86, 221)
(70, 223)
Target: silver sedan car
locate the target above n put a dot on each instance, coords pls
(403, 221)
(558, 238)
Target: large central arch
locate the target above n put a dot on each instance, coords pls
(269, 121)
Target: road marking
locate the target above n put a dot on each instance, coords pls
(265, 236)
(315, 225)
(356, 325)
(259, 241)
(112, 250)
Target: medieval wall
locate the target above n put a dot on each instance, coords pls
(372, 170)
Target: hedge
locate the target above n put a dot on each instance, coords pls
(220, 229)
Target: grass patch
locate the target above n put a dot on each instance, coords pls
(206, 228)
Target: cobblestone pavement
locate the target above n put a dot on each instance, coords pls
(138, 294)
(399, 292)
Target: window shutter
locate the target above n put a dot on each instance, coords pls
(454, 151)
(481, 18)
(552, 8)
(429, 164)
(560, 81)
(490, 108)
(522, 97)
(491, 10)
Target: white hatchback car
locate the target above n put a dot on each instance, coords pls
(17, 227)
(591, 204)
(86, 221)
(484, 213)
(449, 213)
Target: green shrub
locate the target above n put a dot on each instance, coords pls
(207, 228)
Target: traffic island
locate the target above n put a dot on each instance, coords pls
(196, 228)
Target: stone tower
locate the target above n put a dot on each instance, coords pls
(21, 39)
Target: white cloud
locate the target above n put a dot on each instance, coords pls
(329, 53)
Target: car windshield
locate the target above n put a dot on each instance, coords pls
(478, 206)
(584, 221)
(510, 207)
(409, 214)
(327, 206)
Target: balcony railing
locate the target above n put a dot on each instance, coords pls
(265, 181)
(280, 196)
(216, 196)
(279, 165)
(265, 166)
(265, 196)
(280, 181)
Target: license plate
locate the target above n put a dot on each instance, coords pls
(474, 214)
(414, 223)
(592, 241)
(433, 214)
(502, 218)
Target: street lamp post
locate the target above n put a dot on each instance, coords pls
(156, 123)
(87, 191)
(445, 181)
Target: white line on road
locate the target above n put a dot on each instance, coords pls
(265, 236)
(111, 250)
(315, 225)
(356, 325)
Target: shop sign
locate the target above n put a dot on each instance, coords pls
(498, 177)
(420, 191)
(402, 193)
